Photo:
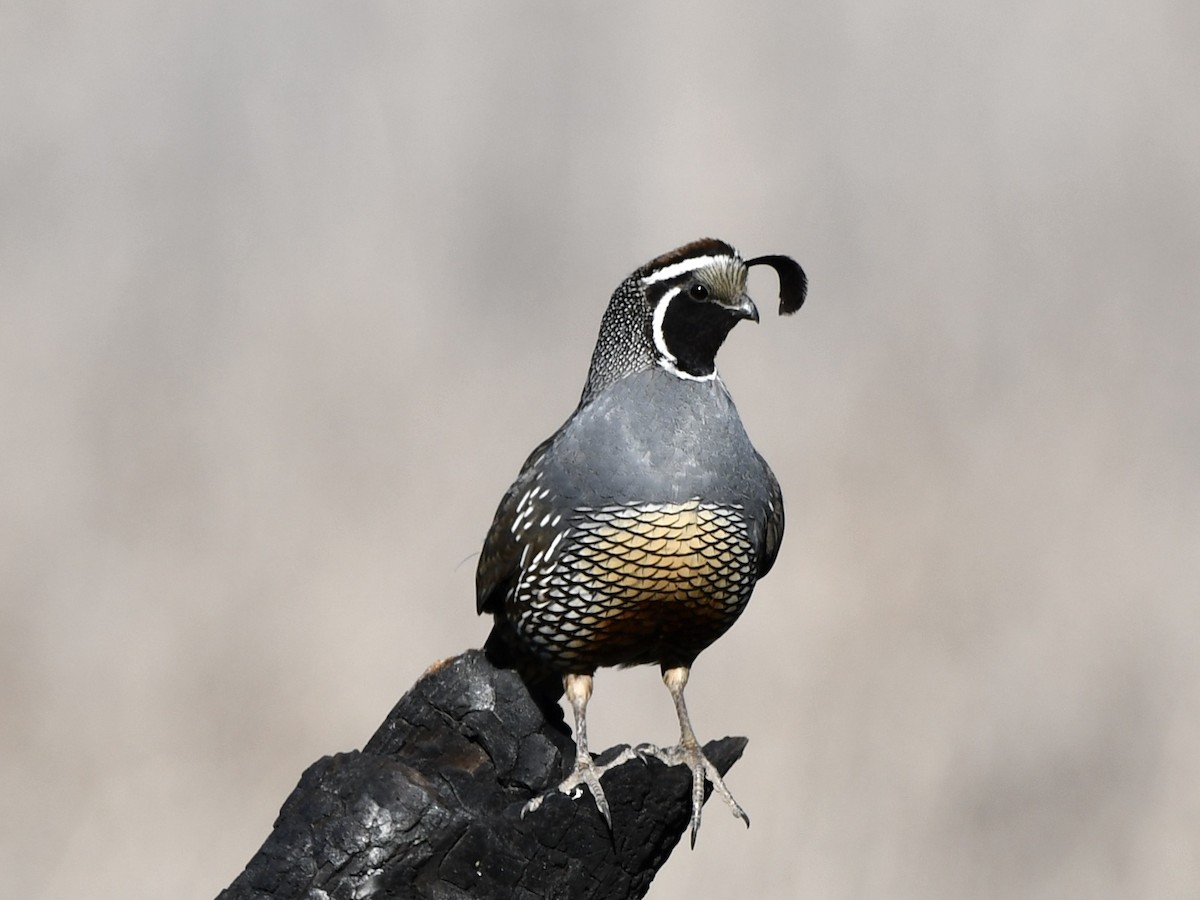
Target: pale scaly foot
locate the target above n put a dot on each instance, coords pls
(688, 752)
(586, 773)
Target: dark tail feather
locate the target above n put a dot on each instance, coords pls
(504, 651)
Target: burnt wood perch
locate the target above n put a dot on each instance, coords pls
(431, 806)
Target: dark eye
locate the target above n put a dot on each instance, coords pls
(698, 292)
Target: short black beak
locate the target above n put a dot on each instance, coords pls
(745, 308)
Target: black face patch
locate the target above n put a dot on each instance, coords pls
(693, 331)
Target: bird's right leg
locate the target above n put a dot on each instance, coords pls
(688, 751)
(586, 772)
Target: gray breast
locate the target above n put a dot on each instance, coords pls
(653, 437)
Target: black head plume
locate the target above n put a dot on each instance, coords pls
(793, 283)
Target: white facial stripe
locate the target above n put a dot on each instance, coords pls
(681, 268)
(670, 366)
(660, 313)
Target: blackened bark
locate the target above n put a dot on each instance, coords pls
(430, 807)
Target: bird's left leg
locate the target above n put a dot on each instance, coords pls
(688, 752)
(586, 772)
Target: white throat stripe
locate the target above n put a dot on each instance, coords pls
(679, 373)
(660, 313)
(680, 268)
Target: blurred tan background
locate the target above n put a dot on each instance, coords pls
(289, 289)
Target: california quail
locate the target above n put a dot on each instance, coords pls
(636, 532)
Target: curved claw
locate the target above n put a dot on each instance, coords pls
(693, 757)
(585, 774)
